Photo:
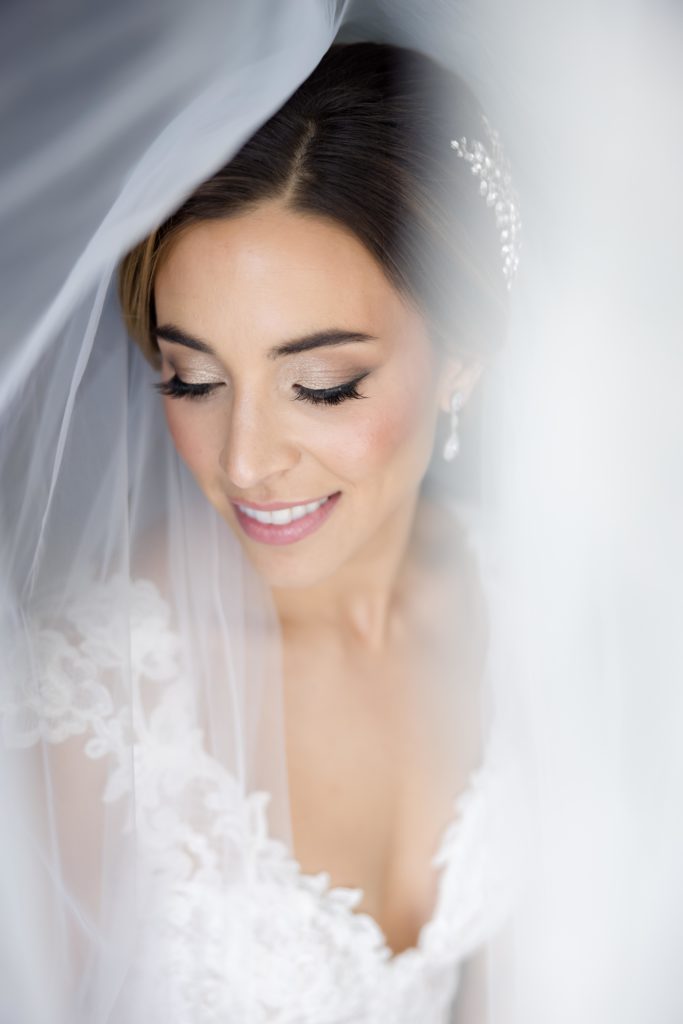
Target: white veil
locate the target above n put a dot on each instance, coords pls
(110, 556)
(96, 507)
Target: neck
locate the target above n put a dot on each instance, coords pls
(360, 597)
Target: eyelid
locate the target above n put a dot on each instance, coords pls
(347, 382)
(181, 377)
(174, 387)
(187, 366)
(331, 396)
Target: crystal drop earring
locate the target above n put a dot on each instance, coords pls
(452, 445)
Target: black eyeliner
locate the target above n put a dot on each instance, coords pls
(330, 396)
(177, 388)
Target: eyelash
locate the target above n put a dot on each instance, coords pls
(177, 388)
(330, 396)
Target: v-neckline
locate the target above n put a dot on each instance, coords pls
(442, 861)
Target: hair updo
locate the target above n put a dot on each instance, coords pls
(365, 142)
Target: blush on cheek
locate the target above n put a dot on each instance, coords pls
(385, 435)
(382, 434)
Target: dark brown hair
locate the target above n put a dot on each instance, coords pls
(365, 142)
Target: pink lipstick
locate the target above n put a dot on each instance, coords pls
(284, 522)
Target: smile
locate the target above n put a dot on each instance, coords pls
(284, 524)
(282, 515)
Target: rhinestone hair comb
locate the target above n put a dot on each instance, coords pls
(489, 164)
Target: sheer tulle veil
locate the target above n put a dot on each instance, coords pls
(112, 115)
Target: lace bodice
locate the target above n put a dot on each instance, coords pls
(306, 956)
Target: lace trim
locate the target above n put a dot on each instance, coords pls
(463, 832)
(198, 830)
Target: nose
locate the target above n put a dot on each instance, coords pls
(256, 446)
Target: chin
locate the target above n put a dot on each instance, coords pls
(298, 551)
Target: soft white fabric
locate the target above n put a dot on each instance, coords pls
(312, 958)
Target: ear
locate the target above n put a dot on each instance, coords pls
(457, 375)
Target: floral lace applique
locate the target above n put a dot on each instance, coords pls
(210, 948)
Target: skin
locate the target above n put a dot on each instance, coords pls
(377, 745)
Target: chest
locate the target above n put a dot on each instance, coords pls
(378, 747)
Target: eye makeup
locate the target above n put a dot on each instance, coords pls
(330, 396)
(177, 388)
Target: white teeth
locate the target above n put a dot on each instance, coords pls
(282, 516)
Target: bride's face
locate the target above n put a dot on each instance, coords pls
(303, 387)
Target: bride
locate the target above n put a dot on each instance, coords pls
(264, 686)
(249, 700)
(313, 309)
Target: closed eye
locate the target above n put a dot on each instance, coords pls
(330, 396)
(177, 388)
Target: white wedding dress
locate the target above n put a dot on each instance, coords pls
(310, 957)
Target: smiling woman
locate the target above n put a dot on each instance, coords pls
(274, 705)
(312, 309)
(346, 217)
(248, 653)
(316, 382)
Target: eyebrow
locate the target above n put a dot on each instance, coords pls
(319, 339)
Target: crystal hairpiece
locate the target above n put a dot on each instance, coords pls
(489, 164)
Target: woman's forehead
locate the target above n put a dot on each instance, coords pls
(273, 271)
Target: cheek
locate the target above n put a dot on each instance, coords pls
(395, 426)
(191, 436)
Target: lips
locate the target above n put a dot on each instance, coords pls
(284, 523)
